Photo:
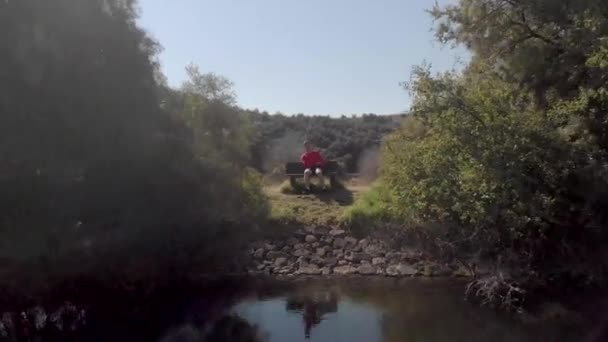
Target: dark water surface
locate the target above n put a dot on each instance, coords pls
(386, 310)
(360, 309)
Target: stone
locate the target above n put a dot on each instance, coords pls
(302, 260)
(428, 270)
(286, 249)
(301, 252)
(357, 257)
(350, 242)
(309, 270)
(314, 245)
(327, 239)
(321, 251)
(339, 243)
(363, 243)
(378, 261)
(292, 241)
(366, 269)
(326, 270)
(462, 271)
(393, 256)
(310, 238)
(338, 252)
(342, 262)
(364, 262)
(331, 261)
(275, 254)
(392, 271)
(321, 230)
(310, 229)
(260, 267)
(344, 270)
(299, 246)
(401, 270)
(337, 232)
(406, 270)
(442, 270)
(410, 255)
(434, 270)
(259, 253)
(283, 270)
(269, 247)
(317, 261)
(374, 250)
(280, 261)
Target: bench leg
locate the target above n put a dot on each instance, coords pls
(293, 182)
(333, 181)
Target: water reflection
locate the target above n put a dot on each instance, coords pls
(313, 306)
(259, 310)
(388, 312)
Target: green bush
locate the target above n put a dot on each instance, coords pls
(371, 209)
(483, 175)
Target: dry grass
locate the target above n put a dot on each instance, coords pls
(323, 208)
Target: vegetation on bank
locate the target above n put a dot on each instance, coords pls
(506, 161)
(105, 171)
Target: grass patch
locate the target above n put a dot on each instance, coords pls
(369, 210)
(317, 208)
(288, 189)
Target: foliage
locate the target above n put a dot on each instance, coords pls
(369, 209)
(279, 138)
(105, 170)
(507, 161)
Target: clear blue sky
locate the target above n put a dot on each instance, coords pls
(301, 56)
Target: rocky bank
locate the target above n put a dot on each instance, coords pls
(331, 251)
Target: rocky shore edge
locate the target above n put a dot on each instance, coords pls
(325, 251)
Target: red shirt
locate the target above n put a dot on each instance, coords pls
(312, 159)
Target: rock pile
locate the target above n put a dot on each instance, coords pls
(324, 251)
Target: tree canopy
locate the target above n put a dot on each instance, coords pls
(506, 161)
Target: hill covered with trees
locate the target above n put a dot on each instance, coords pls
(348, 140)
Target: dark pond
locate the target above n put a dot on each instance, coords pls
(368, 311)
(353, 310)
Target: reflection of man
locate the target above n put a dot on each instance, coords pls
(311, 317)
(313, 307)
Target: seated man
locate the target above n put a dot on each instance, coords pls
(313, 162)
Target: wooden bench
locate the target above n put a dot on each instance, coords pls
(295, 170)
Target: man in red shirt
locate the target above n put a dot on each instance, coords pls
(313, 162)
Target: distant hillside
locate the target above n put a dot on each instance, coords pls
(349, 140)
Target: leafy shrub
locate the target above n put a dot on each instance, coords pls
(105, 171)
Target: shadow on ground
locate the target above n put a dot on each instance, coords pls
(341, 196)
